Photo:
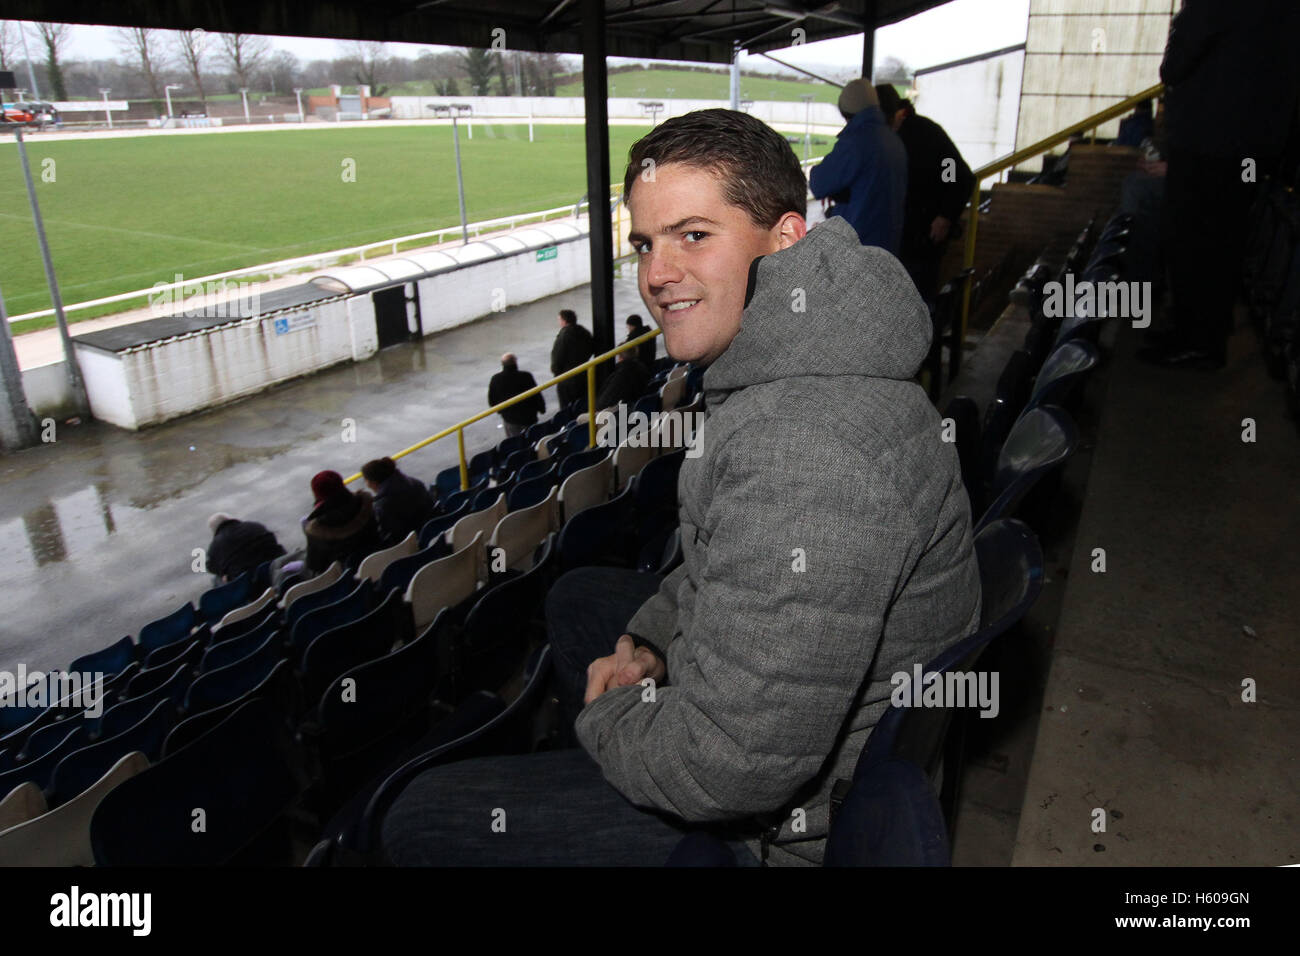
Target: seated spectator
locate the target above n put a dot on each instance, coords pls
(627, 383)
(238, 546)
(341, 527)
(636, 328)
(402, 503)
(1137, 126)
(508, 383)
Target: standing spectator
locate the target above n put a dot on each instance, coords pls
(626, 383)
(402, 504)
(508, 383)
(341, 526)
(636, 328)
(866, 171)
(1230, 74)
(938, 185)
(573, 346)
(238, 546)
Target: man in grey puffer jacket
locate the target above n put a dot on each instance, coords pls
(826, 534)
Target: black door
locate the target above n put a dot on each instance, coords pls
(390, 316)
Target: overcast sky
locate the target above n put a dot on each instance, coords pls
(955, 30)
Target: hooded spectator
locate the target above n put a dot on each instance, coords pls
(341, 526)
(238, 546)
(402, 503)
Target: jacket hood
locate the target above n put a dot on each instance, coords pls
(826, 305)
(341, 517)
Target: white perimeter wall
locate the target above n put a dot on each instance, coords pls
(471, 292)
(515, 108)
(976, 104)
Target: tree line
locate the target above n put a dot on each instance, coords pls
(212, 63)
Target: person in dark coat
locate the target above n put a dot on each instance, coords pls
(342, 526)
(402, 503)
(866, 171)
(239, 546)
(1231, 86)
(508, 383)
(573, 346)
(939, 183)
(636, 328)
(626, 383)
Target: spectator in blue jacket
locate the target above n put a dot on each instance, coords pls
(866, 172)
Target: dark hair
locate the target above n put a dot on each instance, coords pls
(890, 101)
(758, 170)
(569, 316)
(379, 470)
(635, 319)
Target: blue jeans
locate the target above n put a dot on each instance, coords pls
(552, 808)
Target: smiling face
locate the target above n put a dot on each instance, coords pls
(694, 251)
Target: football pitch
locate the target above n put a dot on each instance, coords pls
(123, 214)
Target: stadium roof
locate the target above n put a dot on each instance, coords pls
(693, 30)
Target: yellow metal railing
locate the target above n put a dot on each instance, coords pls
(589, 367)
(1019, 156)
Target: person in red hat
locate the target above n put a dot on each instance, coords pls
(341, 526)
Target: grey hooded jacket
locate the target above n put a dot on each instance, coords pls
(827, 546)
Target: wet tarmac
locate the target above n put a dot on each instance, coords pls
(98, 528)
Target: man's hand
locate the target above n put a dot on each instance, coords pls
(939, 229)
(627, 665)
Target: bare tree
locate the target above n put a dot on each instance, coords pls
(54, 35)
(370, 61)
(193, 48)
(144, 46)
(244, 53)
(8, 45)
(282, 71)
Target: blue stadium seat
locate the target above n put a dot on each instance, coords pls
(534, 469)
(453, 501)
(38, 770)
(446, 482)
(582, 459)
(310, 626)
(246, 626)
(601, 534)
(226, 683)
(228, 652)
(436, 526)
(304, 605)
(42, 741)
(82, 767)
(501, 626)
(398, 574)
(1064, 369)
(965, 417)
(111, 660)
(217, 602)
(1040, 441)
(236, 773)
(187, 651)
(278, 688)
(488, 496)
(129, 711)
(533, 491)
(166, 630)
(890, 817)
(350, 645)
(510, 732)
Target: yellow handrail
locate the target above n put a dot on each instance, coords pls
(1018, 157)
(588, 366)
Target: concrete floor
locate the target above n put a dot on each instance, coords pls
(1143, 715)
(97, 528)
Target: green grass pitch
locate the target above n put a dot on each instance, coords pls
(122, 214)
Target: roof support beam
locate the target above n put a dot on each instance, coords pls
(595, 88)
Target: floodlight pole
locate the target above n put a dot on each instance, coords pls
(75, 384)
(297, 91)
(17, 423)
(243, 92)
(735, 75)
(108, 114)
(167, 92)
(31, 74)
(460, 178)
(807, 125)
